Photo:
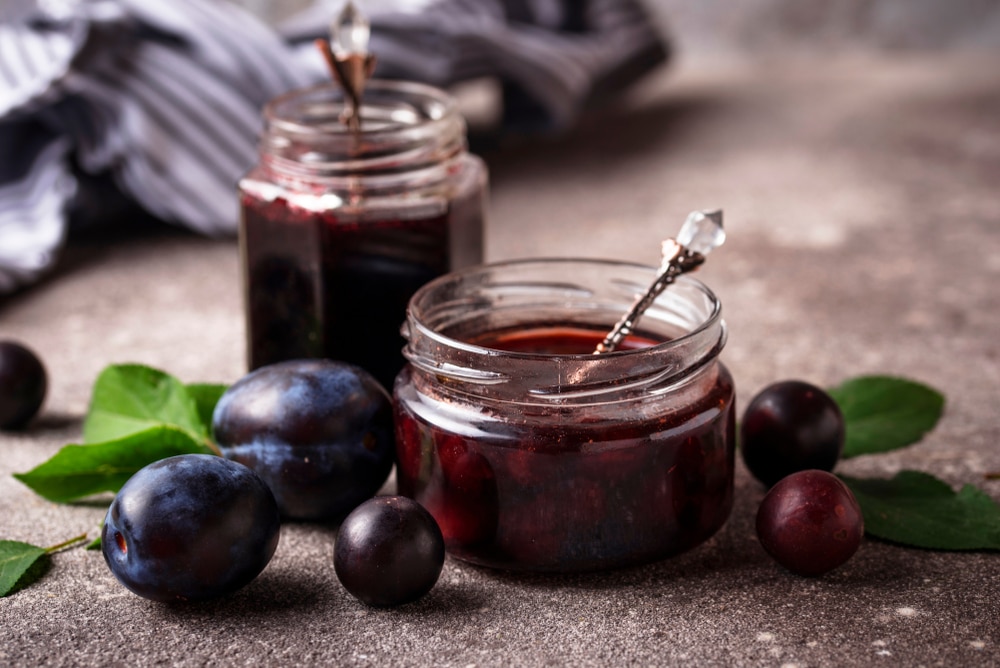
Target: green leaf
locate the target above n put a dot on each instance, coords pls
(917, 509)
(205, 396)
(77, 471)
(15, 560)
(882, 413)
(130, 398)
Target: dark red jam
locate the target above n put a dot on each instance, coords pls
(555, 340)
(322, 286)
(568, 489)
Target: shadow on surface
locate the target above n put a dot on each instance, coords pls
(47, 421)
(444, 600)
(270, 593)
(101, 501)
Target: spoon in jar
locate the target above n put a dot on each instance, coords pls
(346, 54)
(701, 234)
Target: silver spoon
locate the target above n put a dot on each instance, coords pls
(701, 234)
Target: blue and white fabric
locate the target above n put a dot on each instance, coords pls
(162, 98)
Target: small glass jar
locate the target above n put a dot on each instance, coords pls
(533, 453)
(340, 228)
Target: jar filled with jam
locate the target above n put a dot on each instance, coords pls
(341, 225)
(535, 454)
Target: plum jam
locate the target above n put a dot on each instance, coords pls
(534, 454)
(339, 229)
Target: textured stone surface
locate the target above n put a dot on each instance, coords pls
(716, 27)
(862, 207)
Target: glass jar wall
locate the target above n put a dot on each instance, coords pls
(534, 454)
(339, 229)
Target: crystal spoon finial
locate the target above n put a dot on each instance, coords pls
(701, 234)
(350, 62)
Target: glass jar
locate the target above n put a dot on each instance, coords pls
(533, 453)
(339, 228)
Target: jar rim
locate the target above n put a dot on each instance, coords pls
(443, 104)
(436, 284)
(406, 127)
(562, 376)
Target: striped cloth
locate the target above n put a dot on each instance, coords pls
(162, 99)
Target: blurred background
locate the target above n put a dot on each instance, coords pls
(775, 27)
(717, 28)
(523, 69)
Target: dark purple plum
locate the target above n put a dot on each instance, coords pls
(791, 426)
(810, 522)
(23, 383)
(318, 432)
(389, 551)
(190, 528)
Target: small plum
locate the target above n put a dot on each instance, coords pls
(810, 522)
(23, 383)
(788, 427)
(389, 551)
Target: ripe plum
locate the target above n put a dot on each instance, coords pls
(318, 432)
(389, 551)
(810, 522)
(190, 527)
(23, 384)
(788, 427)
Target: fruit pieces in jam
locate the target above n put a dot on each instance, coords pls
(573, 494)
(319, 286)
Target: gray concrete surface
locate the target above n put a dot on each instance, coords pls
(862, 199)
